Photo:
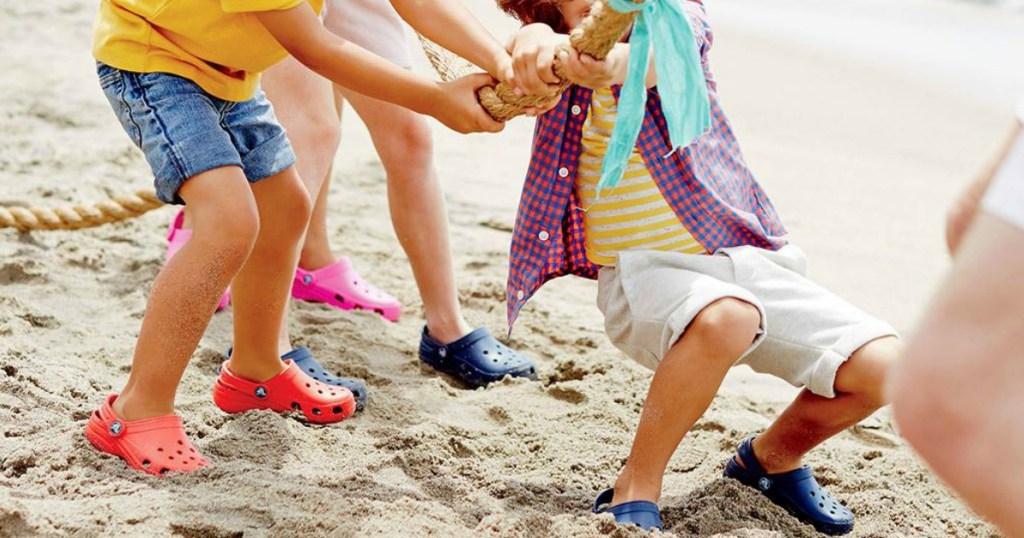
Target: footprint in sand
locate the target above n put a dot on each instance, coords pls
(22, 272)
(566, 394)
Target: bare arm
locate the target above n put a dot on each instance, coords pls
(961, 215)
(449, 24)
(299, 31)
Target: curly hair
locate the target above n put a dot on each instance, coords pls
(531, 11)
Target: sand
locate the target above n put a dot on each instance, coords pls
(861, 160)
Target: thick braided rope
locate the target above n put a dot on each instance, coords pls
(596, 37)
(598, 34)
(79, 216)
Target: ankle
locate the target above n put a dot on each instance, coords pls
(772, 460)
(257, 371)
(129, 407)
(448, 330)
(312, 259)
(633, 486)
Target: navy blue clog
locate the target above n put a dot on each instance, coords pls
(477, 358)
(643, 514)
(797, 491)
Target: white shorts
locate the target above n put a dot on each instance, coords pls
(807, 333)
(1005, 197)
(372, 24)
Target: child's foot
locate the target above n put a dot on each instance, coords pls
(643, 514)
(304, 359)
(155, 445)
(477, 358)
(177, 236)
(797, 491)
(290, 391)
(339, 285)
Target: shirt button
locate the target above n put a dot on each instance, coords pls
(520, 295)
(576, 110)
(543, 236)
(563, 172)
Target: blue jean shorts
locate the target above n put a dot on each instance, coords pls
(184, 131)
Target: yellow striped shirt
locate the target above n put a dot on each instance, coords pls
(632, 216)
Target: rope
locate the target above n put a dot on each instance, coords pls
(596, 37)
(79, 216)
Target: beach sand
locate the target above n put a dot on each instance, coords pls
(861, 159)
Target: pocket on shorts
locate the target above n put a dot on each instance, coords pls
(619, 324)
(113, 84)
(108, 76)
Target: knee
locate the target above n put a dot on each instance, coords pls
(407, 148)
(322, 133)
(230, 231)
(867, 370)
(729, 325)
(293, 209)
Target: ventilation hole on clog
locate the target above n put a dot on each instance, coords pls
(308, 385)
(337, 410)
(378, 311)
(339, 298)
(146, 463)
(296, 406)
(160, 450)
(833, 512)
(821, 505)
(486, 352)
(311, 370)
(316, 411)
(190, 449)
(164, 471)
(359, 307)
(334, 393)
(355, 282)
(170, 458)
(812, 494)
(316, 378)
(193, 458)
(180, 453)
(320, 392)
(180, 442)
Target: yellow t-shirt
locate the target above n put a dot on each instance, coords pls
(218, 44)
(632, 216)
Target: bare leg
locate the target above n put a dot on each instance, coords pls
(684, 385)
(957, 395)
(304, 104)
(812, 419)
(186, 291)
(260, 290)
(403, 142)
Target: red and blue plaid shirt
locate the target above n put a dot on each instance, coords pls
(708, 185)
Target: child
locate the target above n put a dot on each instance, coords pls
(183, 78)
(694, 276)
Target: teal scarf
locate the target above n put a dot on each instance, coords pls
(681, 82)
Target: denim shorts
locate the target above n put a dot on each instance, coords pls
(184, 131)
